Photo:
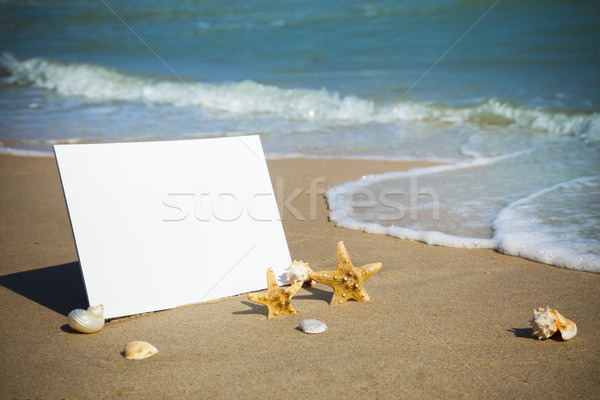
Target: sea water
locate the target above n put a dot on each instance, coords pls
(503, 95)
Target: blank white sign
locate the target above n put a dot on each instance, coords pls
(162, 224)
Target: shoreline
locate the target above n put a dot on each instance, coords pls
(444, 322)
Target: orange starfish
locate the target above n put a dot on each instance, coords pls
(277, 299)
(346, 280)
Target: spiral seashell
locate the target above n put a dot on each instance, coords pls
(138, 350)
(566, 327)
(87, 321)
(298, 272)
(547, 322)
(543, 323)
(312, 326)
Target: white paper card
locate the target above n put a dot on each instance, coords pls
(162, 224)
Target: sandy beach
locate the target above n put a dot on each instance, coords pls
(443, 322)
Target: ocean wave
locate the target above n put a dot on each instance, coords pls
(99, 83)
(24, 152)
(495, 112)
(340, 198)
(539, 231)
(554, 225)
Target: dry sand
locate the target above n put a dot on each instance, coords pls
(443, 323)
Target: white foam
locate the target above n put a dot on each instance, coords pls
(458, 165)
(96, 82)
(520, 230)
(515, 232)
(24, 153)
(429, 237)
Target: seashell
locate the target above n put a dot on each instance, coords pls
(138, 350)
(298, 272)
(546, 322)
(566, 327)
(312, 326)
(543, 323)
(87, 321)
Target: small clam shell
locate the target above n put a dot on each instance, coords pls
(138, 350)
(87, 321)
(312, 326)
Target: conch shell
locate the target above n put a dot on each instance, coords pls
(546, 322)
(87, 321)
(566, 327)
(138, 350)
(298, 271)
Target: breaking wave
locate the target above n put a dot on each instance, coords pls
(99, 83)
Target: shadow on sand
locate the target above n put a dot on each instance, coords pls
(316, 294)
(254, 309)
(59, 288)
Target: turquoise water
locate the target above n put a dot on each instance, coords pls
(504, 94)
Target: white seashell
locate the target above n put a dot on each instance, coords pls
(138, 350)
(543, 323)
(298, 272)
(546, 322)
(312, 326)
(87, 321)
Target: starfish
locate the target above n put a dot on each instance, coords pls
(346, 280)
(277, 299)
